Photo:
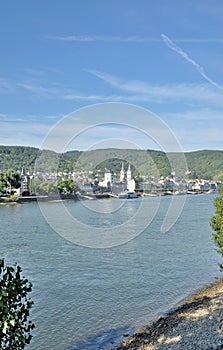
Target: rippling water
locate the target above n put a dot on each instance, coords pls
(87, 298)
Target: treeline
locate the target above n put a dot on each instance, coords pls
(18, 157)
(206, 164)
(11, 180)
(202, 164)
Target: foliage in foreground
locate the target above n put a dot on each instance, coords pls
(9, 199)
(217, 223)
(15, 327)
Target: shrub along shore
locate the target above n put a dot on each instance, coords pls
(196, 324)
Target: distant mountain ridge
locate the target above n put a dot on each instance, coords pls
(206, 164)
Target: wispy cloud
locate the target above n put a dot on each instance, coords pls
(41, 72)
(43, 88)
(129, 39)
(27, 130)
(3, 116)
(35, 86)
(31, 130)
(6, 86)
(209, 137)
(37, 83)
(199, 40)
(33, 72)
(206, 115)
(131, 91)
(135, 86)
(28, 118)
(196, 129)
(104, 98)
(101, 38)
(161, 93)
(198, 67)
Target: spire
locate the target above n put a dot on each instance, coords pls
(129, 173)
(122, 173)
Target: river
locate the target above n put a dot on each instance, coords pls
(87, 298)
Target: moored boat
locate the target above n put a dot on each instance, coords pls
(127, 195)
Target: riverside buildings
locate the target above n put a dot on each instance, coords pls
(89, 181)
(126, 182)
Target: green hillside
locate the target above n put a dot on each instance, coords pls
(16, 157)
(152, 163)
(204, 164)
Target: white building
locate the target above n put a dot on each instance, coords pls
(108, 179)
(131, 185)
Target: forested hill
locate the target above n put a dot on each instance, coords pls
(206, 162)
(202, 164)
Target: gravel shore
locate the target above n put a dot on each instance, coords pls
(197, 324)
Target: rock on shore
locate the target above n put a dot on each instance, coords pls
(197, 324)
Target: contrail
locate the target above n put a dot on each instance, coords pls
(182, 53)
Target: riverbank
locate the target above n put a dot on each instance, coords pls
(196, 324)
(86, 196)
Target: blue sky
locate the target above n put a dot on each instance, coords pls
(59, 56)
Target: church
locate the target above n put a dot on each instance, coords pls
(127, 178)
(126, 182)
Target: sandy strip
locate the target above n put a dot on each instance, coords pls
(196, 324)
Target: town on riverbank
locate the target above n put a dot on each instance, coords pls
(29, 174)
(24, 186)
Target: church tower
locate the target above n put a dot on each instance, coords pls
(130, 182)
(122, 173)
(129, 174)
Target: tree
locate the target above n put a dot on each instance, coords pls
(2, 182)
(15, 307)
(217, 223)
(12, 179)
(45, 188)
(67, 186)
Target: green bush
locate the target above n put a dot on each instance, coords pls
(15, 327)
(9, 199)
(217, 223)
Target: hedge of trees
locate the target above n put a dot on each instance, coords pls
(217, 223)
(11, 180)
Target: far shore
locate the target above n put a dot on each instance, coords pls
(80, 197)
(196, 324)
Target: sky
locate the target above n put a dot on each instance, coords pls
(164, 57)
